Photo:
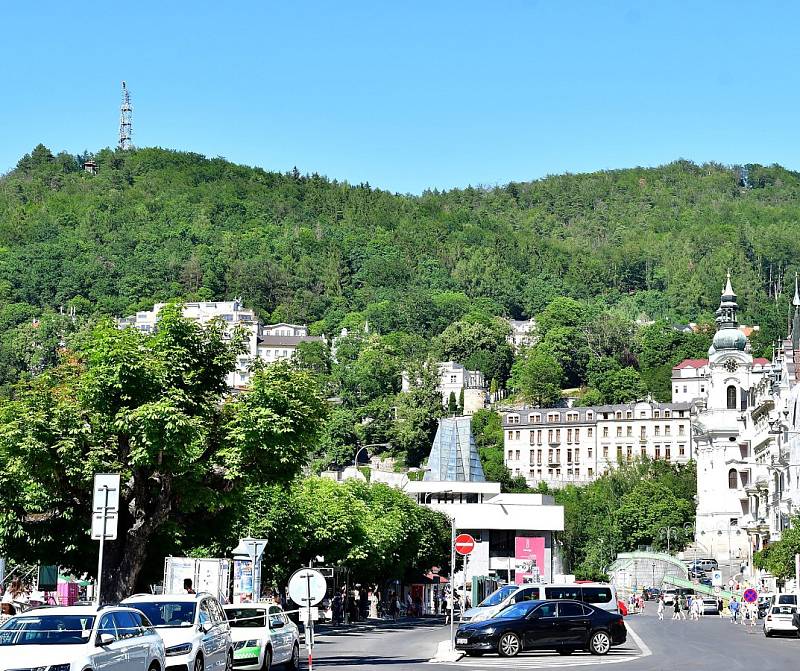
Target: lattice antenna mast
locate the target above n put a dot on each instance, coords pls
(125, 119)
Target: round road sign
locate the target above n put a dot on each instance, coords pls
(717, 589)
(750, 595)
(307, 587)
(465, 544)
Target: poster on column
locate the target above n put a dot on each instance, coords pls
(529, 559)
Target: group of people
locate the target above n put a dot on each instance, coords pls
(682, 605)
(16, 597)
(742, 611)
(357, 604)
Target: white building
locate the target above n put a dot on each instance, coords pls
(562, 446)
(523, 333)
(690, 378)
(270, 343)
(455, 379)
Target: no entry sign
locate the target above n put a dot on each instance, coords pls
(465, 544)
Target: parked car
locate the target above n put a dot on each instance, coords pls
(669, 596)
(704, 565)
(779, 620)
(764, 604)
(705, 581)
(651, 593)
(494, 602)
(695, 572)
(80, 637)
(601, 595)
(194, 628)
(563, 625)
(710, 606)
(262, 635)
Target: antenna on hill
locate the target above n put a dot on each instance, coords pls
(125, 124)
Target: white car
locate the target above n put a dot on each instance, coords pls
(262, 636)
(196, 632)
(779, 620)
(669, 596)
(79, 638)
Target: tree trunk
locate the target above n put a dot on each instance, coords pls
(142, 512)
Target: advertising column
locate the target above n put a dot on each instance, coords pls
(529, 561)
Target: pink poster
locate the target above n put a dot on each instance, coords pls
(529, 556)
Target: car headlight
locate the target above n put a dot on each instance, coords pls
(59, 667)
(182, 649)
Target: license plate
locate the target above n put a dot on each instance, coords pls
(461, 641)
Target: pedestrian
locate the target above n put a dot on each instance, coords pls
(409, 605)
(363, 602)
(394, 606)
(676, 608)
(753, 614)
(661, 608)
(733, 606)
(436, 602)
(373, 603)
(683, 605)
(337, 609)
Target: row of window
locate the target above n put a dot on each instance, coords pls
(555, 473)
(554, 435)
(535, 418)
(573, 455)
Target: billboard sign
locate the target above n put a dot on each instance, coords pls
(529, 560)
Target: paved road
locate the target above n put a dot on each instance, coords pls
(712, 644)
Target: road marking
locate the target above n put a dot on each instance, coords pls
(552, 660)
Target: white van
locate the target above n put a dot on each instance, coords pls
(600, 595)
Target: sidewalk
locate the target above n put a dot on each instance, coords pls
(377, 623)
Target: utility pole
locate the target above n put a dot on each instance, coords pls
(125, 120)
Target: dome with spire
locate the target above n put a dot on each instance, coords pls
(728, 335)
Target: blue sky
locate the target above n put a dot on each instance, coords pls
(409, 95)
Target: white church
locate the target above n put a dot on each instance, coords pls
(745, 426)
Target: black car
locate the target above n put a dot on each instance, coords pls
(561, 625)
(651, 593)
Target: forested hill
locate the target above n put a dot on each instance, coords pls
(154, 224)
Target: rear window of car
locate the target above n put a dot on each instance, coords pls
(597, 594)
(787, 598)
(783, 610)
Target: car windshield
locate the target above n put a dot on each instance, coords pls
(517, 610)
(168, 613)
(247, 617)
(498, 596)
(47, 630)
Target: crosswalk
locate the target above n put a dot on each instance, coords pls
(548, 660)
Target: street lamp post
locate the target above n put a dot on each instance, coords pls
(654, 574)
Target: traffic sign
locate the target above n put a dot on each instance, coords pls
(308, 614)
(716, 578)
(307, 587)
(105, 506)
(750, 595)
(717, 589)
(465, 544)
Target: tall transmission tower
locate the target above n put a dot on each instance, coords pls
(125, 125)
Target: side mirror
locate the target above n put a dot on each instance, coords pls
(106, 639)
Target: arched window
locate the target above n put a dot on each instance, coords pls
(731, 397)
(733, 479)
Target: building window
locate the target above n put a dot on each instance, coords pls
(517, 455)
(577, 456)
(577, 435)
(539, 458)
(656, 414)
(702, 388)
(667, 452)
(589, 415)
(510, 455)
(590, 472)
(549, 435)
(644, 451)
(681, 429)
(589, 432)
(590, 453)
(532, 437)
(629, 430)
(511, 435)
(676, 390)
(569, 456)
(732, 475)
(666, 414)
(666, 429)
(619, 432)
(731, 393)
(516, 435)
(605, 451)
(657, 430)
(643, 432)
(684, 389)
(681, 450)
(630, 453)
(558, 435)
(549, 456)
(619, 452)
(605, 432)
(453, 379)
(658, 451)
(569, 435)
(539, 436)
(537, 418)
(629, 415)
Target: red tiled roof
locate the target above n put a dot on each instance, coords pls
(761, 360)
(691, 363)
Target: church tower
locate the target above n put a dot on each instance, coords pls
(718, 423)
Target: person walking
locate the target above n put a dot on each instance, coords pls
(683, 606)
(660, 608)
(720, 606)
(676, 609)
(733, 606)
(753, 614)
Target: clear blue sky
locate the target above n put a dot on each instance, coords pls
(410, 94)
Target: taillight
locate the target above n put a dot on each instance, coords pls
(769, 618)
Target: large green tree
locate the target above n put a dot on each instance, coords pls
(155, 409)
(537, 376)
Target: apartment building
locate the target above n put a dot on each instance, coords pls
(574, 445)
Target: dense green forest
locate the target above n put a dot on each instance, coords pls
(413, 278)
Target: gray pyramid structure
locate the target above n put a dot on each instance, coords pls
(454, 456)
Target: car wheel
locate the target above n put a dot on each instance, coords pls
(267, 663)
(294, 662)
(767, 633)
(600, 643)
(198, 663)
(509, 645)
